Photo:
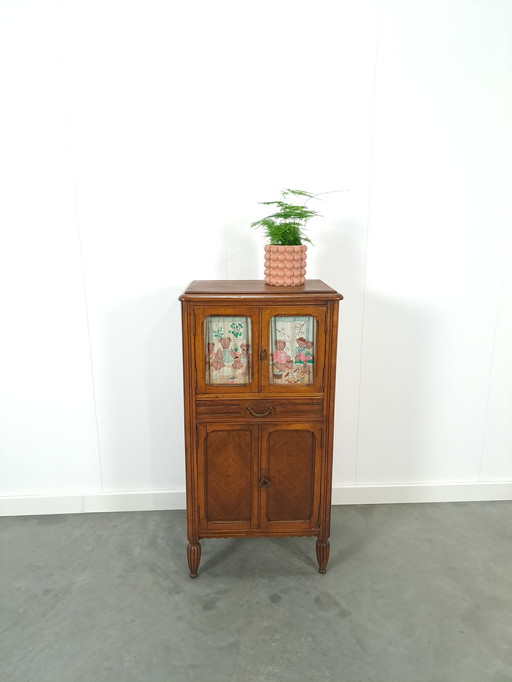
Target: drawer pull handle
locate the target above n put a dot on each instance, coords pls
(269, 410)
(264, 483)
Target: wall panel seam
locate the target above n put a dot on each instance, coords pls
(508, 230)
(370, 180)
(79, 236)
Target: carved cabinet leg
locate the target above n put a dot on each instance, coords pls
(322, 554)
(193, 557)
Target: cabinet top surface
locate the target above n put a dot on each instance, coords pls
(255, 288)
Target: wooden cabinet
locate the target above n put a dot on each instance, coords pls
(259, 366)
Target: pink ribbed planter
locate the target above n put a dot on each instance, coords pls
(285, 265)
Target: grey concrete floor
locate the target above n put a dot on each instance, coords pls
(413, 593)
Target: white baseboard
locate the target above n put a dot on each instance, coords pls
(422, 492)
(29, 505)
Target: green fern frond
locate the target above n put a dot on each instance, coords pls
(286, 226)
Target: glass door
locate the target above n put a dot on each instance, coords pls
(225, 349)
(294, 343)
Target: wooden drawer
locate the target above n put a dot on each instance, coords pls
(259, 410)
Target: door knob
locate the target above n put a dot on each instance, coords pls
(264, 483)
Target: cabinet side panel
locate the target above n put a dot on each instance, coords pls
(327, 454)
(228, 460)
(189, 418)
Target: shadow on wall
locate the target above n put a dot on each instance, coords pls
(424, 384)
(396, 393)
(140, 394)
(338, 258)
(244, 251)
(414, 358)
(391, 376)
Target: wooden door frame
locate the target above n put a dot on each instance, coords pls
(320, 313)
(291, 526)
(205, 525)
(199, 315)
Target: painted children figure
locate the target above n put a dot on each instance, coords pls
(281, 360)
(244, 347)
(226, 355)
(300, 350)
(236, 354)
(214, 358)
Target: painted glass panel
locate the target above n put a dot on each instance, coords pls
(228, 357)
(292, 359)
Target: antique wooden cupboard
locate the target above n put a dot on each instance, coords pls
(259, 369)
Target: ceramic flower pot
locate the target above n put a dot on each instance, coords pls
(285, 265)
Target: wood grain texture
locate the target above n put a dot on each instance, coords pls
(254, 287)
(258, 456)
(223, 309)
(291, 470)
(289, 409)
(193, 558)
(322, 554)
(290, 457)
(318, 313)
(228, 475)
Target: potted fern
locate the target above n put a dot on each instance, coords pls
(285, 254)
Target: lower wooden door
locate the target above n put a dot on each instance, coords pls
(227, 473)
(291, 475)
(258, 479)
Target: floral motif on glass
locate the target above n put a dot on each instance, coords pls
(292, 358)
(228, 359)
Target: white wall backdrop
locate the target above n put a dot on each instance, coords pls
(136, 139)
